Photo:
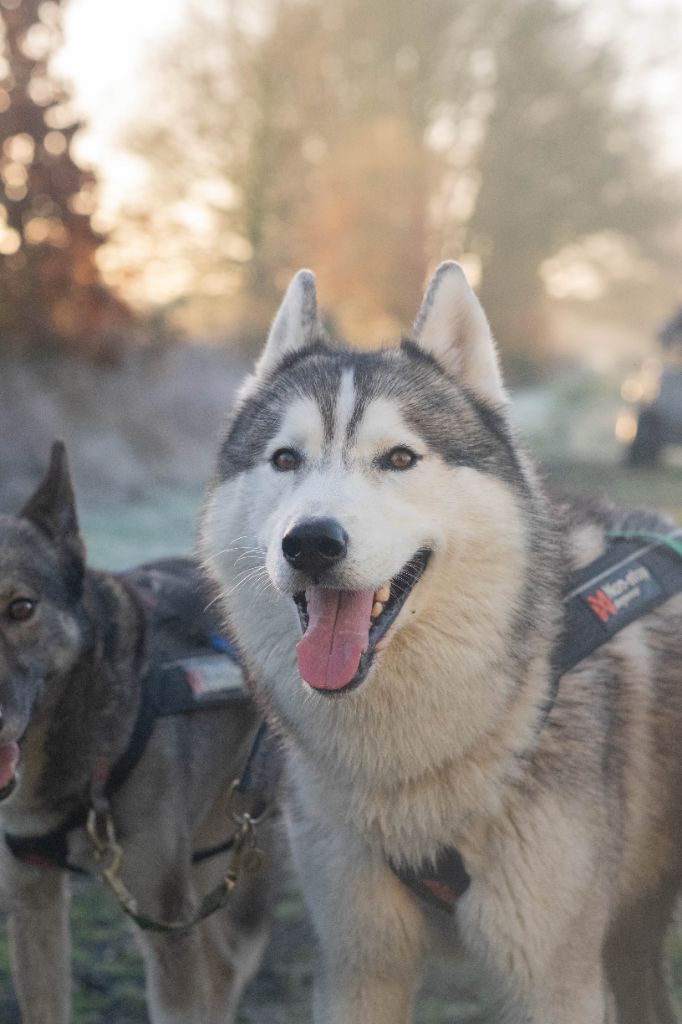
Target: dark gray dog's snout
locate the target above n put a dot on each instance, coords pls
(16, 701)
(315, 545)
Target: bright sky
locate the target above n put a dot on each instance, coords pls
(650, 37)
(106, 47)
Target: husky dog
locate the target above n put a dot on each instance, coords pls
(393, 574)
(72, 655)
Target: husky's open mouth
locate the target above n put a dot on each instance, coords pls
(9, 756)
(342, 629)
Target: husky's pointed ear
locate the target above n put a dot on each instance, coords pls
(452, 326)
(52, 508)
(295, 325)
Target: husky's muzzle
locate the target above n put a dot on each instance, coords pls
(343, 630)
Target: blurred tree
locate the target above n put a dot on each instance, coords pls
(365, 230)
(367, 223)
(228, 151)
(368, 139)
(298, 129)
(560, 159)
(50, 290)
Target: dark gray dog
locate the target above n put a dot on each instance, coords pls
(74, 650)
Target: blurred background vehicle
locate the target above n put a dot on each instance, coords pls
(653, 420)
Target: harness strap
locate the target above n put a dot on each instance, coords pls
(165, 690)
(256, 785)
(51, 849)
(440, 884)
(628, 581)
(140, 736)
(261, 774)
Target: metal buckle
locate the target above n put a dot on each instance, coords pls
(237, 817)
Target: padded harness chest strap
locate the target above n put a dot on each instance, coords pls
(637, 574)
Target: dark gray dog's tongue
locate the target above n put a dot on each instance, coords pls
(9, 755)
(337, 636)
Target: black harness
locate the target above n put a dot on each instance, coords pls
(181, 686)
(638, 573)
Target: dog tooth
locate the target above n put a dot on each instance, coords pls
(383, 593)
(377, 609)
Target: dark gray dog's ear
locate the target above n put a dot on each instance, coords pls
(295, 325)
(52, 508)
(452, 326)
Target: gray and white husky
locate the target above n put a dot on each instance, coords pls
(379, 502)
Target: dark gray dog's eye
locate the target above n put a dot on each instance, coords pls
(21, 609)
(286, 459)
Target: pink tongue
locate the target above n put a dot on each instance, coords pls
(338, 632)
(9, 755)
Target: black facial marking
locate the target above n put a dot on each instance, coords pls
(418, 354)
(454, 423)
(249, 434)
(307, 373)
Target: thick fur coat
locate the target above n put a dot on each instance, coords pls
(344, 474)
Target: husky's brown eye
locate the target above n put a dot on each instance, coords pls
(21, 609)
(399, 458)
(286, 459)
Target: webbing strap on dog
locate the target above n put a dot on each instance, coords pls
(255, 785)
(51, 849)
(440, 883)
(182, 686)
(638, 572)
(261, 774)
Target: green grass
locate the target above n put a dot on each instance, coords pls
(108, 987)
(107, 969)
(123, 534)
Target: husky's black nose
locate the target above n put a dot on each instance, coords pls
(315, 545)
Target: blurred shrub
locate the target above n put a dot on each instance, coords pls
(153, 419)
